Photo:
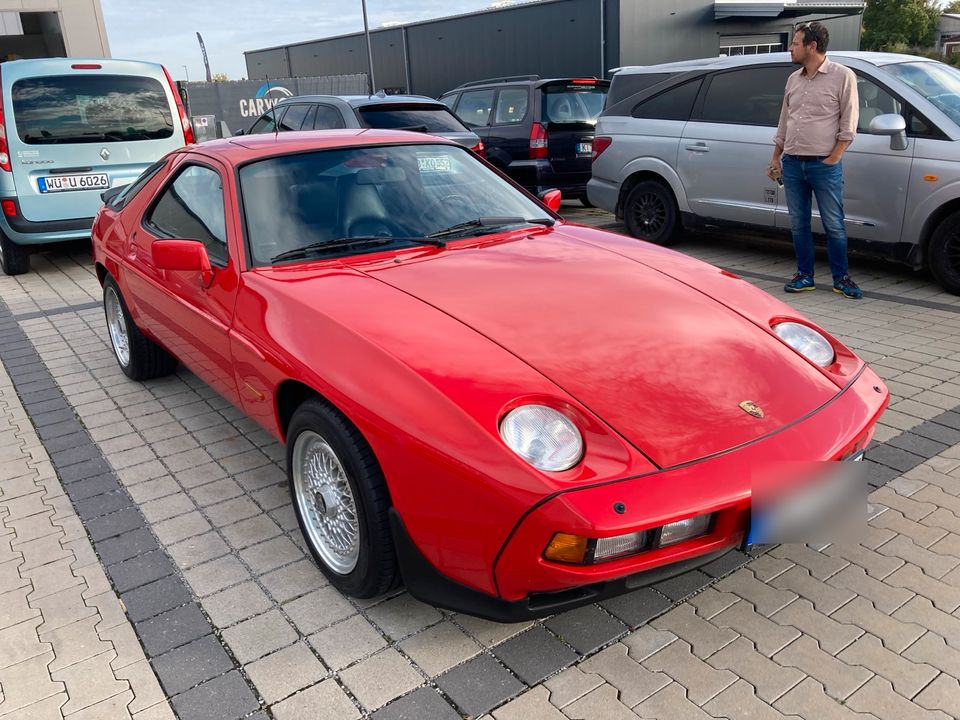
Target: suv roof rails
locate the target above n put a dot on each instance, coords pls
(509, 78)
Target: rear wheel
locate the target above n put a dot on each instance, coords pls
(341, 501)
(944, 253)
(138, 356)
(14, 259)
(585, 201)
(650, 212)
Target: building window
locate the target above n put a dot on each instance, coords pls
(752, 44)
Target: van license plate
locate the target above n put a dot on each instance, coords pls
(64, 183)
(584, 148)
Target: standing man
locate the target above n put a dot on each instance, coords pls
(818, 121)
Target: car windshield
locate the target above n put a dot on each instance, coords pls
(937, 82)
(429, 119)
(397, 193)
(573, 103)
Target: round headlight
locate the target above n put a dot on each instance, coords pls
(806, 341)
(544, 437)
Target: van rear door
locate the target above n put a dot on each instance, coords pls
(76, 129)
(569, 111)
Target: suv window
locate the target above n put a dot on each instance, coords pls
(673, 104)
(573, 102)
(294, 116)
(192, 208)
(511, 106)
(450, 99)
(751, 96)
(267, 122)
(90, 109)
(624, 85)
(328, 118)
(436, 119)
(474, 107)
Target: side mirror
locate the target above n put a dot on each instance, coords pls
(551, 198)
(893, 125)
(184, 255)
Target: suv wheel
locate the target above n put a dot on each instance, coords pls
(14, 259)
(650, 212)
(944, 254)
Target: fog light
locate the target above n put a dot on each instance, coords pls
(684, 529)
(566, 548)
(619, 545)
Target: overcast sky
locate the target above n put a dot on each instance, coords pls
(165, 31)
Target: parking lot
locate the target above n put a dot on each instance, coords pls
(185, 503)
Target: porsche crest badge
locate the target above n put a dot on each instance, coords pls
(751, 408)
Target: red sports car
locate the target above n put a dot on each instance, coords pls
(511, 413)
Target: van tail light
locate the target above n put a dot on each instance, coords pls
(184, 120)
(599, 145)
(9, 207)
(479, 149)
(86, 66)
(539, 142)
(4, 148)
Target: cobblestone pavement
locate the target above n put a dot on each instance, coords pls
(152, 523)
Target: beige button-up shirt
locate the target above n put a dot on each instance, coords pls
(818, 110)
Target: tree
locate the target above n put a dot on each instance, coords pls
(220, 77)
(890, 24)
(952, 7)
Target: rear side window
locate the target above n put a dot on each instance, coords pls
(450, 100)
(294, 116)
(475, 107)
(751, 96)
(90, 109)
(328, 118)
(673, 104)
(426, 119)
(192, 208)
(511, 106)
(624, 85)
(573, 103)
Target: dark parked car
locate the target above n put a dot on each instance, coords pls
(540, 132)
(385, 112)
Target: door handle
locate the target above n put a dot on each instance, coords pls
(698, 147)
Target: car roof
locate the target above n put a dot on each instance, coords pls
(721, 63)
(519, 80)
(236, 150)
(359, 101)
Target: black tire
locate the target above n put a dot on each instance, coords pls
(943, 254)
(585, 201)
(375, 570)
(650, 213)
(144, 359)
(14, 259)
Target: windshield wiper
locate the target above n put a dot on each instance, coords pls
(491, 221)
(318, 247)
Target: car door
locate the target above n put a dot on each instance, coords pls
(508, 134)
(475, 108)
(875, 178)
(726, 146)
(189, 314)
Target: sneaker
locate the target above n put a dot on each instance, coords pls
(800, 283)
(847, 287)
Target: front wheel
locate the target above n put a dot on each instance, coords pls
(341, 501)
(650, 213)
(138, 356)
(14, 259)
(943, 254)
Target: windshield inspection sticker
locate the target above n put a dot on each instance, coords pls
(434, 163)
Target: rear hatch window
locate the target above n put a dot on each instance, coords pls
(428, 119)
(573, 102)
(90, 109)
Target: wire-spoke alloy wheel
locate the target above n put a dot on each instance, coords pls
(943, 253)
(650, 212)
(117, 326)
(326, 502)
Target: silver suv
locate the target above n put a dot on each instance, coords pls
(687, 144)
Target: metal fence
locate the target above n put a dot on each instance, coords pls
(237, 103)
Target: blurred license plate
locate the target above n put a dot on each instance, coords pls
(584, 148)
(65, 183)
(439, 163)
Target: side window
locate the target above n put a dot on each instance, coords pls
(511, 106)
(267, 123)
(309, 119)
(450, 100)
(192, 208)
(474, 108)
(673, 104)
(751, 96)
(874, 101)
(293, 117)
(328, 118)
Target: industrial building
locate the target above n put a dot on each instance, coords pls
(52, 28)
(557, 38)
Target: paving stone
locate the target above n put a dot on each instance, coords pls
(678, 662)
(935, 431)
(876, 565)
(403, 615)
(93, 486)
(65, 458)
(832, 635)
(198, 549)
(740, 701)
(703, 636)
(534, 654)
(63, 608)
(942, 694)
(931, 562)
(88, 682)
(117, 523)
(885, 597)
(191, 664)
(270, 555)
(235, 604)
(215, 492)
(223, 698)
(435, 650)
(28, 682)
(825, 598)
(155, 598)
(924, 534)
(838, 678)
(768, 636)
(259, 636)
(216, 575)
(683, 585)
(586, 628)
(172, 629)
(50, 578)
(671, 703)
(769, 679)
(908, 677)
(600, 703)
(381, 678)
(73, 643)
(534, 703)
(944, 596)
(880, 699)
(293, 580)
(933, 650)
(809, 700)
(140, 570)
(19, 643)
(285, 672)
(638, 607)
(818, 564)
(571, 685)
(860, 613)
(128, 545)
(766, 599)
(323, 701)
(426, 704)
(479, 685)
(144, 687)
(634, 682)
(921, 611)
(231, 511)
(917, 444)
(318, 609)
(180, 528)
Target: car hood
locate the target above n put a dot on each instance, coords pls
(663, 364)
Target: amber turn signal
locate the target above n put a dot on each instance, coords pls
(566, 548)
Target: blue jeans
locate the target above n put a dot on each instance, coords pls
(801, 178)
